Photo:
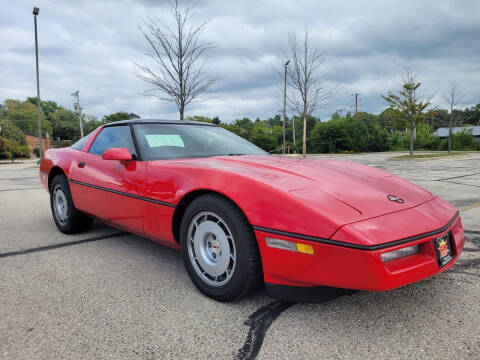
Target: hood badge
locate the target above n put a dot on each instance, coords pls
(395, 198)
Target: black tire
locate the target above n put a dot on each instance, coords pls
(71, 221)
(247, 272)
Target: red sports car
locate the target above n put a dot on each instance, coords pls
(241, 216)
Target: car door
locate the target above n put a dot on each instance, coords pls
(110, 189)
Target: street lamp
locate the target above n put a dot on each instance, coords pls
(284, 102)
(36, 10)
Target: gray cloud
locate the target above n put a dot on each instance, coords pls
(91, 46)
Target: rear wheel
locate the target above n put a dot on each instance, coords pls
(68, 219)
(219, 248)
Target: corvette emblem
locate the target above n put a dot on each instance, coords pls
(395, 198)
(443, 248)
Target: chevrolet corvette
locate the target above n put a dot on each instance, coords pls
(242, 217)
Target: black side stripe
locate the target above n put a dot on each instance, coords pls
(356, 246)
(123, 193)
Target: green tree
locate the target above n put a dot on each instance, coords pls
(243, 127)
(91, 123)
(199, 118)
(65, 124)
(47, 106)
(23, 114)
(376, 136)
(262, 137)
(409, 103)
(4, 153)
(118, 116)
(311, 121)
(10, 131)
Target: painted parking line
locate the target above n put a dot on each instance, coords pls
(471, 206)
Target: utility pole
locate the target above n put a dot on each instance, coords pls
(78, 109)
(284, 103)
(356, 105)
(36, 10)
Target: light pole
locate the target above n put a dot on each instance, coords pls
(293, 129)
(284, 102)
(36, 10)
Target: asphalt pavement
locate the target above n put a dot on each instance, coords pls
(106, 294)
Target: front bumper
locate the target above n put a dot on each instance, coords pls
(354, 268)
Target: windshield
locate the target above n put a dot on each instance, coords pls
(171, 141)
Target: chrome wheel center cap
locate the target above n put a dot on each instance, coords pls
(214, 246)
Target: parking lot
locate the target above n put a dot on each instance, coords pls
(105, 294)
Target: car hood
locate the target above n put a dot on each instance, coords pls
(364, 188)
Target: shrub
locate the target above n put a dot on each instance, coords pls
(377, 139)
(397, 140)
(464, 140)
(62, 143)
(425, 139)
(4, 153)
(263, 139)
(345, 134)
(16, 150)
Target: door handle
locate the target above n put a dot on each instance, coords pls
(82, 164)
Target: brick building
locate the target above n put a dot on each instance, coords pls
(32, 141)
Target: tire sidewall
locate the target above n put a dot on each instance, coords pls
(62, 181)
(239, 277)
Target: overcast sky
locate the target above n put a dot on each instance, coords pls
(92, 46)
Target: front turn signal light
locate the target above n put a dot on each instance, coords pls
(305, 249)
(290, 245)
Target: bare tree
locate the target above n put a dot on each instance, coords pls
(179, 58)
(305, 76)
(409, 103)
(452, 97)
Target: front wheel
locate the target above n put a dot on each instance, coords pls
(67, 218)
(219, 248)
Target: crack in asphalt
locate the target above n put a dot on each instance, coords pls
(471, 250)
(466, 264)
(475, 239)
(61, 245)
(261, 320)
(461, 267)
(259, 323)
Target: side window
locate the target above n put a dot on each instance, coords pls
(113, 137)
(79, 144)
